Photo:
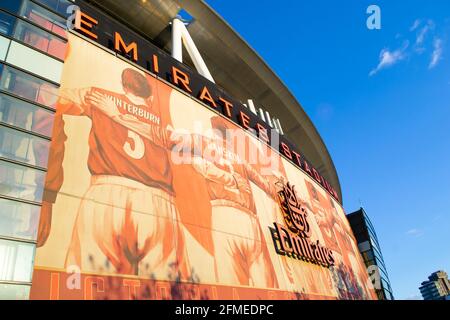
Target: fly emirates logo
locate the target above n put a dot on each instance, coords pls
(294, 239)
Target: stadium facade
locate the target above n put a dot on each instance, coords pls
(147, 152)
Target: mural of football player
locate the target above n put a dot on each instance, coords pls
(241, 253)
(127, 219)
(348, 246)
(337, 239)
(327, 222)
(317, 280)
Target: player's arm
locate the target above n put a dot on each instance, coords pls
(198, 143)
(261, 182)
(74, 101)
(213, 173)
(70, 102)
(53, 180)
(210, 171)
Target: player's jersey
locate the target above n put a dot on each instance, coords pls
(221, 169)
(117, 150)
(132, 145)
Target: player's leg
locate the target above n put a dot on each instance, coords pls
(361, 274)
(156, 212)
(96, 239)
(230, 239)
(339, 280)
(262, 271)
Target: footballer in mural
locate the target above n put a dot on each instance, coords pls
(152, 195)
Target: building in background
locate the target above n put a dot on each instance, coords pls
(369, 247)
(33, 43)
(86, 179)
(437, 287)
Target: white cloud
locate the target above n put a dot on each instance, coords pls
(415, 25)
(437, 53)
(422, 31)
(421, 35)
(389, 58)
(414, 232)
(436, 218)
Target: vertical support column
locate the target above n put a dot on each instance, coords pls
(180, 36)
(177, 46)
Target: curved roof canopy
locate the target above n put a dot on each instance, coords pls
(231, 61)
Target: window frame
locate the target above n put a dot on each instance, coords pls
(11, 96)
(30, 22)
(23, 134)
(56, 85)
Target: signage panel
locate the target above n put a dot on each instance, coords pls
(152, 195)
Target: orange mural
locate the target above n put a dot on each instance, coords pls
(151, 195)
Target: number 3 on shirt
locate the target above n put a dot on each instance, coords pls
(136, 149)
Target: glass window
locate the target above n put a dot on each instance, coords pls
(28, 86)
(384, 273)
(19, 220)
(380, 294)
(14, 292)
(59, 6)
(370, 226)
(388, 295)
(6, 23)
(379, 261)
(374, 244)
(34, 62)
(23, 147)
(21, 182)
(371, 263)
(11, 5)
(385, 284)
(368, 255)
(364, 246)
(44, 18)
(25, 115)
(4, 46)
(373, 235)
(16, 261)
(40, 39)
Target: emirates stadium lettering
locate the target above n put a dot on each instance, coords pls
(293, 240)
(100, 28)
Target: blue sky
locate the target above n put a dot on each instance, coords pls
(381, 101)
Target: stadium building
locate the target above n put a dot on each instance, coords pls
(148, 152)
